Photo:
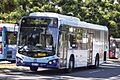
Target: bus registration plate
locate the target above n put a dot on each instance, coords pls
(35, 64)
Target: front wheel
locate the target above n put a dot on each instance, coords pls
(96, 62)
(33, 68)
(13, 61)
(71, 65)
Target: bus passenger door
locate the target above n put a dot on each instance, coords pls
(4, 42)
(63, 48)
(90, 48)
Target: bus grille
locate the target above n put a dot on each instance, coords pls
(35, 54)
(9, 54)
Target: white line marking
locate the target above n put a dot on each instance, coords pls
(96, 71)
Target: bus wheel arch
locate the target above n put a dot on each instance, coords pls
(96, 64)
(71, 63)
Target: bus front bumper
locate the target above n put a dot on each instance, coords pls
(51, 64)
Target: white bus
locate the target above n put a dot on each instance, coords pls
(53, 40)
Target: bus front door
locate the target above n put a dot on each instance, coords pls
(63, 48)
(90, 48)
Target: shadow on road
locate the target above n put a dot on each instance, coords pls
(104, 72)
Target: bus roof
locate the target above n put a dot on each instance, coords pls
(9, 27)
(69, 20)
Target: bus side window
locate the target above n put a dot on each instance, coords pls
(73, 43)
(76, 39)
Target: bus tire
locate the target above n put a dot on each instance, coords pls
(71, 64)
(96, 62)
(12, 61)
(33, 68)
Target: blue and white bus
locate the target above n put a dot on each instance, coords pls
(53, 40)
(8, 41)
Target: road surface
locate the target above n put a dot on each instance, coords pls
(109, 71)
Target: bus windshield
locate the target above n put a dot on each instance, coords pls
(35, 35)
(11, 38)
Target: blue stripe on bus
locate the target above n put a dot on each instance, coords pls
(44, 65)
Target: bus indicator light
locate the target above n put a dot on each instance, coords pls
(55, 22)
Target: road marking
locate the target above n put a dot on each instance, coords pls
(38, 77)
(96, 71)
(3, 62)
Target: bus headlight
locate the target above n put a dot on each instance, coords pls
(52, 62)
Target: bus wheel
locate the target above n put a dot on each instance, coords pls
(33, 68)
(96, 62)
(12, 61)
(71, 65)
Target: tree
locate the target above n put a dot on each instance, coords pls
(100, 12)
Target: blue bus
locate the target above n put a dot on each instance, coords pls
(8, 41)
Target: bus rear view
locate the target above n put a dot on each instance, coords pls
(8, 41)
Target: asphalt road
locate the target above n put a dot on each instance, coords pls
(109, 71)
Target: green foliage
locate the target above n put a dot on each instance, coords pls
(93, 11)
(112, 23)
